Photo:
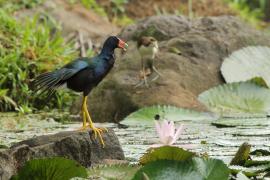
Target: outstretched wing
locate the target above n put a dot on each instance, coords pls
(50, 81)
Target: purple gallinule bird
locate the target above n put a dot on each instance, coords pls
(82, 75)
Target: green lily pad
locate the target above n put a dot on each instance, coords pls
(56, 168)
(166, 153)
(118, 171)
(243, 99)
(145, 116)
(195, 168)
(247, 63)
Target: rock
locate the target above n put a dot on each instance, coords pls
(79, 146)
(191, 52)
(7, 166)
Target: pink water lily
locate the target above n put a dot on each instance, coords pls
(168, 134)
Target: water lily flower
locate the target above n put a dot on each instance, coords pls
(168, 134)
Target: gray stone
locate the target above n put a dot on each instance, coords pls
(80, 146)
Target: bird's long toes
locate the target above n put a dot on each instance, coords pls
(98, 132)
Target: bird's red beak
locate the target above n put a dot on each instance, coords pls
(122, 45)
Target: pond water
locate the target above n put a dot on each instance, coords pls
(221, 143)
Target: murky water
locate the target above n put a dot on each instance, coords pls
(220, 143)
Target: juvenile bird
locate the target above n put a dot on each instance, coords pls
(148, 49)
(82, 75)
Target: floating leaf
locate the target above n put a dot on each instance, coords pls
(234, 122)
(241, 176)
(250, 171)
(244, 99)
(247, 63)
(167, 153)
(56, 168)
(196, 168)
(117, 171)
(146, 115)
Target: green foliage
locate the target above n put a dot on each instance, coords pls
(244, 99)
(195, 168)
(56, 168)
(247, 63)
(90, 4)
(26, 50)
(166, 153)
(249, 9)
(249, 165)
(146, 115)
(118, 171)
(14, 5)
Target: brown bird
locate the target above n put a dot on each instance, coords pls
(148, 49)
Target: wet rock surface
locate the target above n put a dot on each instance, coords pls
(79, 146)
(191, 53)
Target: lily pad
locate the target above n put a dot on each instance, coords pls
(247, 63)
(145, 116)
(234, 122)
(195, 168)
(56, 168)
(243, 99)
(118, 171)
(250, 171)
(167, 153)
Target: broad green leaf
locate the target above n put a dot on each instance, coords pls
(247, 63)
(195, 169)
(119, 172)
(56, 168)
(211, 169)
(166, 153)
(146, 115)
(244, 99)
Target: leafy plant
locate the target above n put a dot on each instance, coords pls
(146, 115)
(165, 153)
(196, 168)
(5, 101)
(56, 168)
(247, 63)
(14, 5)
(252, 11)
(28, 49)
(244, 99)
(118, 171)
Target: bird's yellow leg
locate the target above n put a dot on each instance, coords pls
(97, 131)
(83, 116)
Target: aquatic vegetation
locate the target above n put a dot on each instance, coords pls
(165, 153)
(243, 99)
(145, 116)
(116, 171)
(247, 63)
(56, 168)
(196, 168)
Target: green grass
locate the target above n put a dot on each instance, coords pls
(28, 48)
